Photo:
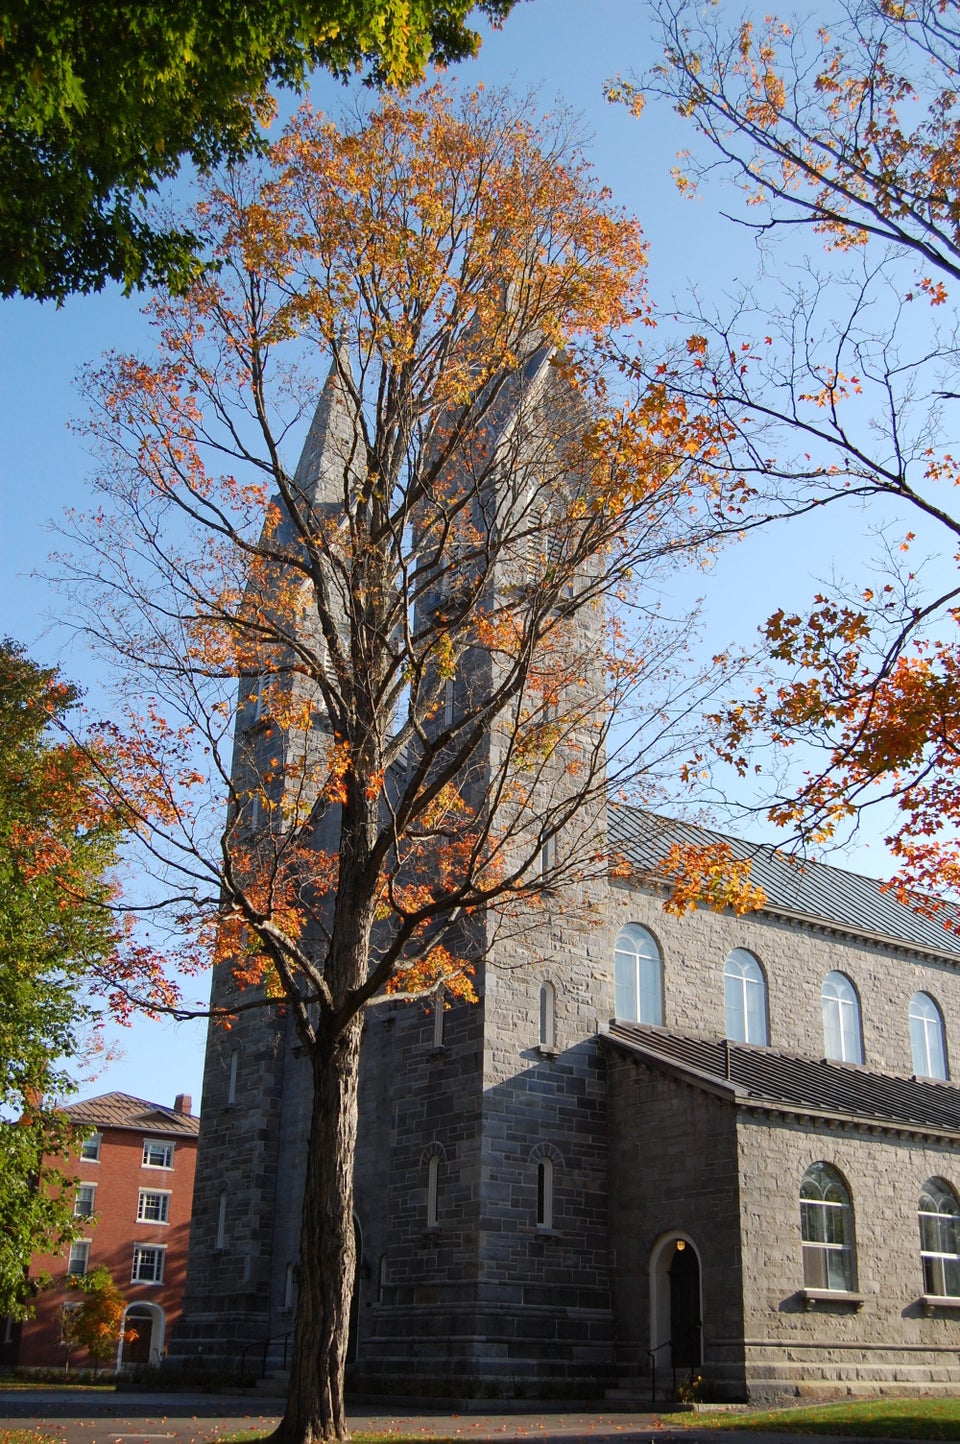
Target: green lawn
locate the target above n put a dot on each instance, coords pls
(864, 1418)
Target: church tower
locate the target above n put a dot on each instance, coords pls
(483, 1259)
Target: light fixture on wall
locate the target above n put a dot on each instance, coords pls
(681, 1245)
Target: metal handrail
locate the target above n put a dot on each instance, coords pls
(266, 1349)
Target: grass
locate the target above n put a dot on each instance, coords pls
(25, 1436)
(862, 1418)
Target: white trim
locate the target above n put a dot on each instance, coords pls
(139, 1251)
(162, 1193)
(93, 1138)
(164, 1144)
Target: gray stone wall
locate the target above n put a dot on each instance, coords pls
(673, 1173)
(795, 958)
(887, 1343)
(226, 1305)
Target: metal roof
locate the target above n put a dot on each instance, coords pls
(794, 888)
(119, 1110)
(762, 1077)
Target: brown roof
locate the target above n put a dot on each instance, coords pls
(119, 1110)
(777, 1082)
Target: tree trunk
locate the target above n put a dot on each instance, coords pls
(315, 1408)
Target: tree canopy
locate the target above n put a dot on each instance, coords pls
(834, 377)
(100, 102)
(57, 931)
(370, 697)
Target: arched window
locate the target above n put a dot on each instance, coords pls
(438, 1018)
(841, 1019)
(545, 1193)
(232, 1077)
(638, 974)
(548, 1016)
(745, 997)
(826, 1226)
(289, 1286)
(222, 1221)
(433, 1190)
(926, 1037)
(939, 1215)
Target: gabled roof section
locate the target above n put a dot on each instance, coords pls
(804, 890)
(777, 1082)
(120, 1110)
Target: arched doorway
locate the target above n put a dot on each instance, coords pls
(683, 1272)
(148, 1321)
(676, 1308)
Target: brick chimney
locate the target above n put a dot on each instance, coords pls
(182, 1103)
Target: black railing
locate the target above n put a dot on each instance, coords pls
(696, 1356)
(652, 1356)
(264, 1350)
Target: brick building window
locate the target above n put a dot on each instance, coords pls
(842, 1039)
(84, 1201)
(147, 1264)
(927, 1043)
(157, 1154)
(90, 1148)
(638, 974)
(79, 1260)
(939, 1216)
(153, 1206)
(745, 998)
(826, 1226)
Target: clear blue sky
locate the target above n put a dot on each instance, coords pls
(565, 48)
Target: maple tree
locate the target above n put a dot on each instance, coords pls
(834, 380)
(400, 663)
(101, 103)
(58, 933)
(95, 1321)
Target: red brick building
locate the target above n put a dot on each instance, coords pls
(134, 1196)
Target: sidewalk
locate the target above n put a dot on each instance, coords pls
(177, 1418)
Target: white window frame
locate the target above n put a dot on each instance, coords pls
(744, 983)
(928, 1043)
(82, 1188)
(164, 1194)
(94, 1142)
(827, 1231)
(940, 1265)
(635, 946)
(842, 1029)
(79, 1250)
(159, 1144)
(140, 1252)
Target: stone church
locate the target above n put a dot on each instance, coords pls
(656, 1147)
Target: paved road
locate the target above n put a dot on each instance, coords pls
(107, 1418)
